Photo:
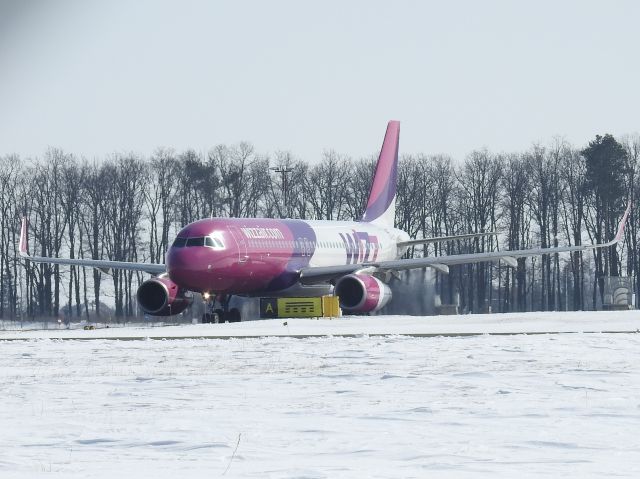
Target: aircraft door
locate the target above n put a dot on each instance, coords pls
(241, 242)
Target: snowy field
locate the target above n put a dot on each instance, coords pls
(512, 323)
(544, 405)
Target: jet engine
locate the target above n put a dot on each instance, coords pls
(362, 293)
(160, 296)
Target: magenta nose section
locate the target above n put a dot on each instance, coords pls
(203, 257)
(178, 265)
(197, 268)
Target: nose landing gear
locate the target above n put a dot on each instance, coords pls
(217, 310)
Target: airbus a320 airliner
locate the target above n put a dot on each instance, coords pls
(221, 257)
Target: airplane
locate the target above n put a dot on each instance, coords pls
(354, 260)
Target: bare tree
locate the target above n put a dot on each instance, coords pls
(478, 188)
(326, 186)
(516, 186)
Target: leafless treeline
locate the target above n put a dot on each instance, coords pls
(129, 208)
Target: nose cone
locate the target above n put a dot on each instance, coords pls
(185, 267)
(202, 268)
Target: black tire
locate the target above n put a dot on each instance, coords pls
(234, 315)
(218, 316)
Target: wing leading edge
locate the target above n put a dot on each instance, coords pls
(440, 239)
(103, 265)
(442, 263)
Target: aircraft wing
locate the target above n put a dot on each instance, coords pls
(442, 263)
(438, 239)
(103, 265)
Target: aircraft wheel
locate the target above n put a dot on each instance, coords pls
(234, 315)
(218, 316)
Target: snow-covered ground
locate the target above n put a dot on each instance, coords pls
(544, 405)
(513, 323)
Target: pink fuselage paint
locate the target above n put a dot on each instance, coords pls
(256, 256)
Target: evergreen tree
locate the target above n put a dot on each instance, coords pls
(606, 162)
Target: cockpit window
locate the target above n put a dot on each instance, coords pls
(213, 242)
(210, 241)
(179, 242)
(196, 241)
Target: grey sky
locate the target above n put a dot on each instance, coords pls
(95, 77)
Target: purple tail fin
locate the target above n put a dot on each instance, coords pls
(381, 206)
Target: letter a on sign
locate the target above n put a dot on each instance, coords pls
(268, 308)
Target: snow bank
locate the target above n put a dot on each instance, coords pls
(513, 323)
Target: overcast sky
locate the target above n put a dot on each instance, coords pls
(94, 77)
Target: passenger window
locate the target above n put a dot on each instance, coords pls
(196, 241)
(179, 242)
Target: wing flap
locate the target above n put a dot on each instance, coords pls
(507, 256)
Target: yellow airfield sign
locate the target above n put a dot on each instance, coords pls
(299, 307)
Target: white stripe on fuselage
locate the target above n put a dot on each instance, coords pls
(350, 242)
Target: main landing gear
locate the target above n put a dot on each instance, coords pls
(217, 310)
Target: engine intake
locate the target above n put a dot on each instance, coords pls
(362, 293)
(162, 297)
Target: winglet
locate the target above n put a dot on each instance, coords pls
(622, 224)
(23, 245)
(619, 234)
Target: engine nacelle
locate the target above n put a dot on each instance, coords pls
(362, 293)
(160, 296)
